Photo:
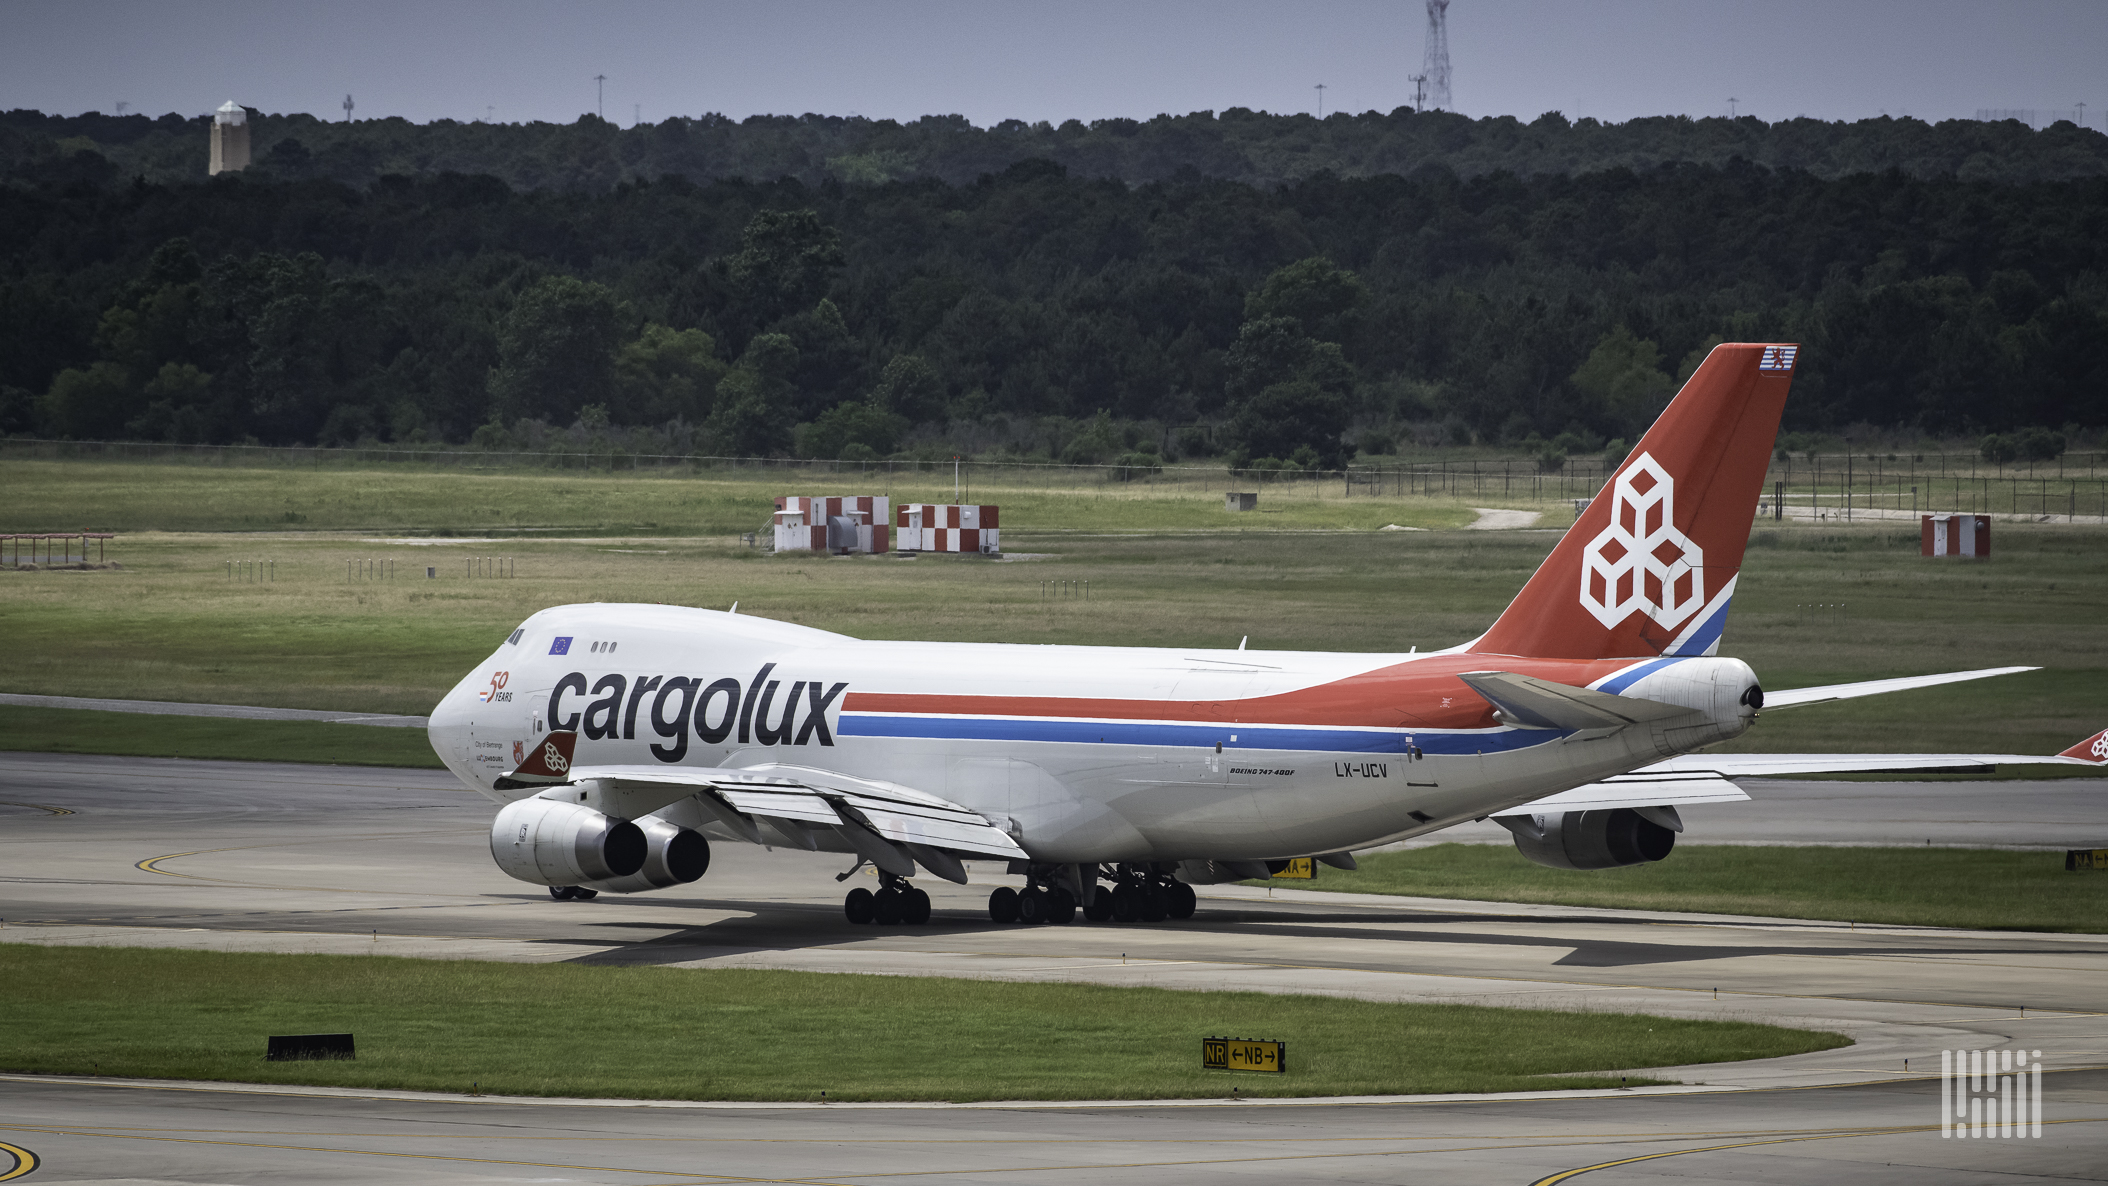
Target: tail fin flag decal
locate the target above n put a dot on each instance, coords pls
(1650, 565)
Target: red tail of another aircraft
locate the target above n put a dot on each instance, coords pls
(1649, 568)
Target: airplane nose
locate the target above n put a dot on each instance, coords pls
(447, 730)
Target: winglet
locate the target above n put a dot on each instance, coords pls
(2093, 750)
(550, 761)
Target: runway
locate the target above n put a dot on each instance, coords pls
(246, 856)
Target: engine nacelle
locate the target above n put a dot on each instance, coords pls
(1607, 839)
(551, 843)
(673, 855)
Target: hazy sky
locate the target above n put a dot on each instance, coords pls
(1085, 59)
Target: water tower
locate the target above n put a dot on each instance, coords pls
(230, 139)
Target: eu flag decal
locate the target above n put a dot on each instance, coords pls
(561, 646)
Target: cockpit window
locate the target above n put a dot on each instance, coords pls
(515, 639)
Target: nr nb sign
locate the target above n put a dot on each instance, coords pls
(1243, 1054)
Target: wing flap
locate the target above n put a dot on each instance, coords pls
(781, 804)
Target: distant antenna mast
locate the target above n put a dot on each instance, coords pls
(600, 91)
(1419, 82)
(1731, 101)
(636, 114)
(347, 108)
(121, 105)
(1320, 88)
(1435, 70)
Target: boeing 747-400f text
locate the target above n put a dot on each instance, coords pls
(623, 739)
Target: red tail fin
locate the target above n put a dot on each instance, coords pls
(1650, 566)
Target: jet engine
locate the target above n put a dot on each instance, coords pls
(1604, 839)
(673, 855)
(552, 843)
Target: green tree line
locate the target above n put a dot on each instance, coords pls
(1253, 147)
(1035, 309)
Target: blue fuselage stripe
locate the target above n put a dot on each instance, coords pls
(1164, 734)
(1618, 683)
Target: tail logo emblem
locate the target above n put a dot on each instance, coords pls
(1777, 358)
(2100, 746)
(1641, 562)
(554, 758)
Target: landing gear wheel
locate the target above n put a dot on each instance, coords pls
(1183, 900)
(1154, 903)
(1127, 905)
(886, 907)
(914, 907)
(858, 906)
(1032, 906)
(583, 894)
(1061, 906)
(562, 893)
(1002, 905)
(1100, 907)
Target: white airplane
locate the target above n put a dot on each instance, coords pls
(622, 739)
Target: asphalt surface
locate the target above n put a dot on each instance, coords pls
(248, 856)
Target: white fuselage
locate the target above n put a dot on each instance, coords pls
(1082, 753)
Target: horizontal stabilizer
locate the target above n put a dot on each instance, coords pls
(1794, 697)
(1530, 703)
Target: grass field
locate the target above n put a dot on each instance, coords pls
(116, 496)
(74, 731)
(172, 626)
(659, 1033)
(1944, 887)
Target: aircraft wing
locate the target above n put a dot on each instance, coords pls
(1794, 697)
(897, 813)
(1708, 778)
(1643, 788)
(1780, 765)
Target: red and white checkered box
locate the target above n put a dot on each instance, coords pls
(801, 522)
(948, 527)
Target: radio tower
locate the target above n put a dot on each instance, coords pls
(1436, 67)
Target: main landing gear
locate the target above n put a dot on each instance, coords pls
(568, 893)
(895, 904)
(1139, 893)
(1032, 905)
